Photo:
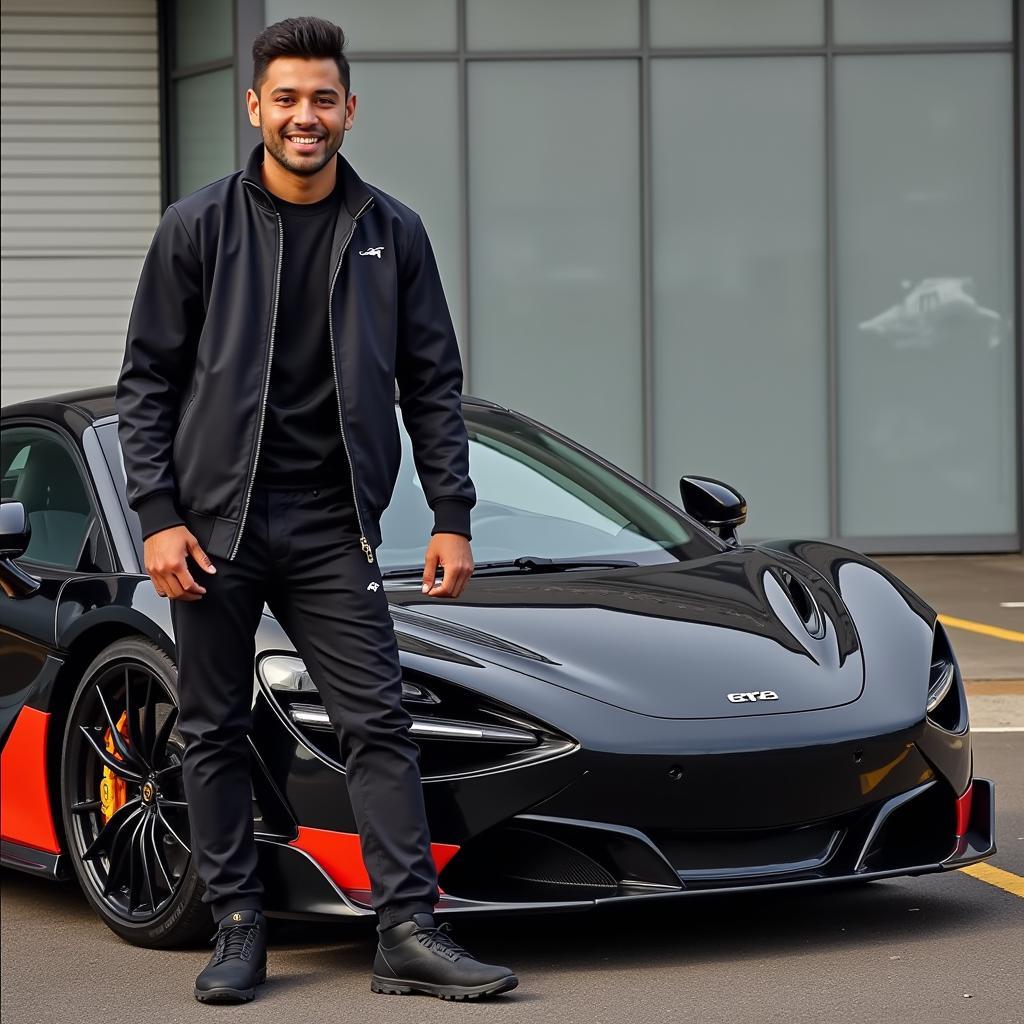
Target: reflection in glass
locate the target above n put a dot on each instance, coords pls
(924, 250)
(937, 311)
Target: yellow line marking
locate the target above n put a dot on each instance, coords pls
(998, 877)
(980, 627)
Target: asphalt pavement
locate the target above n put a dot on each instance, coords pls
(928, 950)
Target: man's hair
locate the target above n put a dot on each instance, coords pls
(299, 37)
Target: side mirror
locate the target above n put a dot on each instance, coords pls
(15, 534)
(715, 505)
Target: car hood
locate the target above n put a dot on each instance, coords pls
(670, 641)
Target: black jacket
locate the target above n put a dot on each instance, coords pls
(192, 390)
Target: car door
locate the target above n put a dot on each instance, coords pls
(41, 468)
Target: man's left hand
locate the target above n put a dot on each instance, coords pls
(450, 550)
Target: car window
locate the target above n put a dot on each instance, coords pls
(39, 470)
(537, 495)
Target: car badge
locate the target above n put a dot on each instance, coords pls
(752, 695)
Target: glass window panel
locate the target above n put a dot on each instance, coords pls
(414, 157)
(922, 21)
(542, 25)
(924, 190)
(202, 31)
(380, 24)
(204, 147)
(555, 246)
(739, 284)
(737, 23)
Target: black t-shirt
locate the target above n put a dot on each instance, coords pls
(301, 443)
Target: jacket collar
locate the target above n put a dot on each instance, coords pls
(355, 193)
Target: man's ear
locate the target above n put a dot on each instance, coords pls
(252, 103)
(350, 111)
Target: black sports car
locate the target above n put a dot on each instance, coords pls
(625, 703)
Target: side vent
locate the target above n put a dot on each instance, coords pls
(803, 601)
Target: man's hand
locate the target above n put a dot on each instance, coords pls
(451, 550)
(164, 554)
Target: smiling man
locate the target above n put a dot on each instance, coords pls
(275, 312)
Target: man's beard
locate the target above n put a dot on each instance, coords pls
(277, 147)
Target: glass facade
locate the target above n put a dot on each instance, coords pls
(769, 241)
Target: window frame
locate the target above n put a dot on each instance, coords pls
(85, 475)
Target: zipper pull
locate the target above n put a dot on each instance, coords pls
(365, 545)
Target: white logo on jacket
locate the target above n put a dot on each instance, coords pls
(373, 586)
(375, 251)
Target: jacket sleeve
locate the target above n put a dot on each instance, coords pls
(163, 329)
(428, 369)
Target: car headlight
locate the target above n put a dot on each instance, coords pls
(946, 705)
(459, 732)
(288, 674)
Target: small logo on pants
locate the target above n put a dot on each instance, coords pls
(373, 586)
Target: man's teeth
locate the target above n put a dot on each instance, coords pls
(304, 139)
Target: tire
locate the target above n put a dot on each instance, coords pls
(144, 861)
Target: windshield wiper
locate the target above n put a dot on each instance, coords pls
(534, 563)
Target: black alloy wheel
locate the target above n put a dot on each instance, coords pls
(123, 802)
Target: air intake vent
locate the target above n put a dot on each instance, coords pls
(803, 601)
(519, 864)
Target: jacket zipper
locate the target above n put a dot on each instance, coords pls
(363, 542)
(266, 378)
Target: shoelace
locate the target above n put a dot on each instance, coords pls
(441, 939)
(235, 941)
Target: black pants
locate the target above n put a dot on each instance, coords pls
(300, 553)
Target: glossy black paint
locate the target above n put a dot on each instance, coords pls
(631, 665)
(715, 504)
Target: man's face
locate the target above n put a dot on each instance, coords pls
(302, 111)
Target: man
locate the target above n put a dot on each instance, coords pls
(275, 312)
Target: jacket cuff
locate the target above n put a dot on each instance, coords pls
(451, 515)
(157, 512)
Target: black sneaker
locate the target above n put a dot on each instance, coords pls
(414, 956)
(239, 960)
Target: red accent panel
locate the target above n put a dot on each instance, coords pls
(25, 815)
(340, 855)
(963, 810)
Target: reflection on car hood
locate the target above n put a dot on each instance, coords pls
(672, 641)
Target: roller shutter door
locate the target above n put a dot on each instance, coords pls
(79, 186)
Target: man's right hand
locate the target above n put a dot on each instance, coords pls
(164, 554)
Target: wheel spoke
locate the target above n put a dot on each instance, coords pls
(107, 836)
(127, 755)
(171, 769)
(119, 768)
(134, 869)
(157, 855)
(133, 724)
(177, 838)
(160, 743)
(147, 877)
(118, 848)
(148, 718)
(178, 805)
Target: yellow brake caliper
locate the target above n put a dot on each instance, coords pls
(113, 789)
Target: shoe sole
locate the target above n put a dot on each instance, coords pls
(406, 986)
(230, 995)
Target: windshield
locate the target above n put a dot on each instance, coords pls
(536, 496)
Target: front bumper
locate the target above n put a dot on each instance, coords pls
(538, 862)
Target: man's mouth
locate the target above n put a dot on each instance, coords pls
(304, 141)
